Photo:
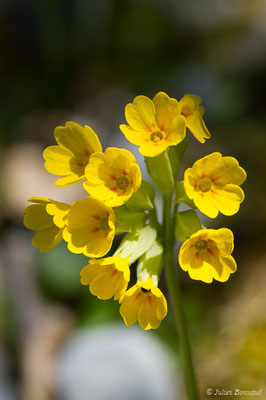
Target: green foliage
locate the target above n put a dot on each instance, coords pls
(186, 223)
(160, 170)
(142, 199)
(176, 155)
(181, 196)
(137, 243)
(150, 263)
(127, 221)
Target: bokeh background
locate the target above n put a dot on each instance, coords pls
(85, 60)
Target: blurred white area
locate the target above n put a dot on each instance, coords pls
(113, 362)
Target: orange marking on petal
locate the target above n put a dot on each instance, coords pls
(80, 164)
(105, 235)
(215, 178)
(96, 229)
(131, 182)
(124, 172)
(138, 295)
(87, 153)
(202, 195)
(209, 251)
(112, 177)
(213, 192)
(197, 255)
(202, 176)
(95, 216)
(149, 299)
(114, 189)
(114, 273)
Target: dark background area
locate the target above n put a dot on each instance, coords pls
(84, 61)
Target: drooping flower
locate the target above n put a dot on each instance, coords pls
(212, 183)
(107, 277)
(112, 176)
(70, 157)
(154, 124)
(191, 109)
(144, 303)
(206, 255)
(48, 218)
(90, 228)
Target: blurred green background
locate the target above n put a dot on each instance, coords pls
(85, 60)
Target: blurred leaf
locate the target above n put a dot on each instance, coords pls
(187, 223)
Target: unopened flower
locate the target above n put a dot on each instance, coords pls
(70, 157)
(206, 255)
(90, 228)
(191, 109)
(154, 124)
(144, 303)
(212, 183)
(112, 176)
(48, 218)
(107, 277)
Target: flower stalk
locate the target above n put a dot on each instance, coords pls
(176, 300)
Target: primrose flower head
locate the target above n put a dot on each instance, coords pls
(107, 277)
(48, 218)
(70, 157)
(144, 303)
(206, 255)
(212, 183)
(90, 228)
(154, 124)
(191, 109)
(112, 176)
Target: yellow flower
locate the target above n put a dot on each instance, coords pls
(212, 183)
(90, 228)
(143, 302)
(154, 124)
(112, 176)
(206, 255)
(70, 157)
(107, 277)
(191, 109)
(47, 217)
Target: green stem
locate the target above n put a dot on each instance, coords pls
(176, 299)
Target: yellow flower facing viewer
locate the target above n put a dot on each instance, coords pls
(154, 124)
(107, 277)
(191, 109)
(112, 176)
(206, 255)
(212, 183)
(90, 228)
(144, 303)
(47, 217)
(70, 157)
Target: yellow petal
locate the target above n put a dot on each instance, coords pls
(228, 199)
(197, 126)
(77, 139)
(47, 239)
(57, 160)
(206, 204)
(178, 131)
(133, 136)
(227, 170)
(141, 114)
(36, 217)
(147, 314)
(59, 212)
(129, 308)
(166, 109)
(161, 307)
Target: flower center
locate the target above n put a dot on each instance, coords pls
(186, 111)
(205, 185)
(201, 245)
(145, 290)
(104, 224)
(122, 182)
(156, 136)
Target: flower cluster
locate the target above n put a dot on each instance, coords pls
(119, 201)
